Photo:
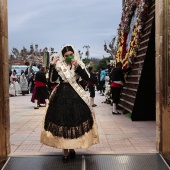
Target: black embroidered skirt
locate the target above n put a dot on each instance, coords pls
(68, 115)
(41, 93)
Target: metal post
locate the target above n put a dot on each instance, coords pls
(4, 84)
(87, 52)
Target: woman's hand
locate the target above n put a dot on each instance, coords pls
(74, 62)
(55, 59)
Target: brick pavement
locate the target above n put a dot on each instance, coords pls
(118, 134)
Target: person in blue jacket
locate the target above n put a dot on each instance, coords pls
(102, 81)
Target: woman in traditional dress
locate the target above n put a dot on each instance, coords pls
(69, 121)
(14, 80)
(24, 84)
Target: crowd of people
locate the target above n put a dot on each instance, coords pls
(18, 85)
(66, 125)
(109, 84)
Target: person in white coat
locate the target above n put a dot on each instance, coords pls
(24, 84)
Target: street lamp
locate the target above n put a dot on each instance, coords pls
(87, 52)
(52, 50)
(36, 46)
(80, 54)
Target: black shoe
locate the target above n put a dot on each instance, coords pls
(36, 107)
(116, 113)
(94, 105)
(65, 159)
(72, 154)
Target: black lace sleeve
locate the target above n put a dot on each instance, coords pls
(82, 73)
(93, 78)
(53, 76)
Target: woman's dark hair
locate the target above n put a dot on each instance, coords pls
(90, 69)
(119, 64)
(66, 49)
(43, 68)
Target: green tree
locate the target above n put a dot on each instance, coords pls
(95, 67)
(86, 61)
(103, 63)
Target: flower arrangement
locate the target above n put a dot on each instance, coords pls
(123, 54)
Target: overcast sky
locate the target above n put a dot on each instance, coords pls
(53, 23)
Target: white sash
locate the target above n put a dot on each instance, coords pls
(80, 91)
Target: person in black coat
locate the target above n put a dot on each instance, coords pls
(31, 82)
(91, 85)
(117, 82)
(41, 87)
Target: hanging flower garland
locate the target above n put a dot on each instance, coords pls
(123, 54)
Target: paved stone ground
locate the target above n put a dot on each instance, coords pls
(118, 134)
